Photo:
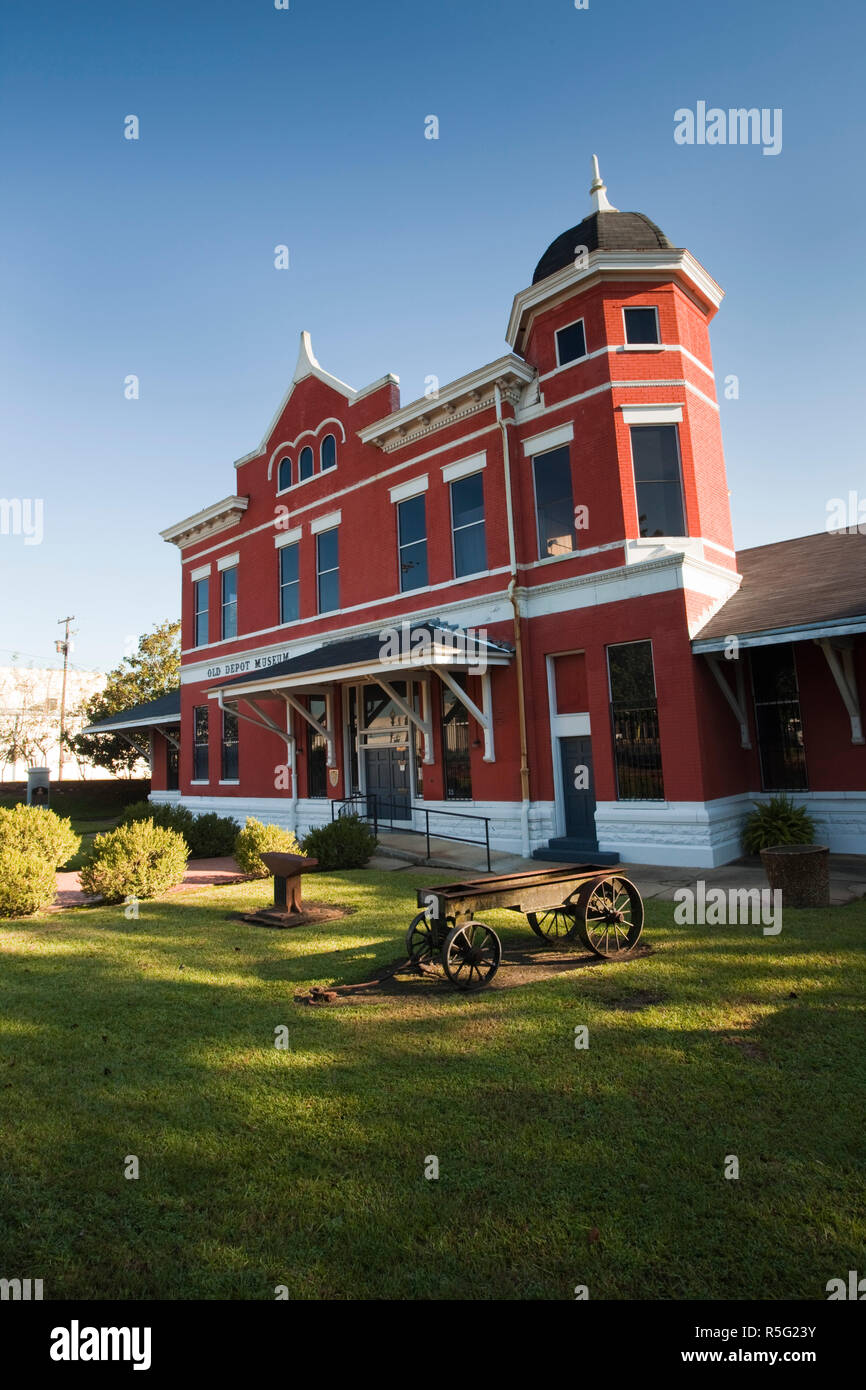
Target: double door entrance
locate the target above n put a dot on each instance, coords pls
(388, 780)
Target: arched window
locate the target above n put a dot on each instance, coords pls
(284, 475)
(329, 452)
(306, 464)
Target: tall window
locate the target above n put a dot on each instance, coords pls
(329, 452)
(317, 751)
(328, 569)
(455, 747)
(412, 533)
(554, 502)
(284, 475)
(635, 722)
(570, 343)
(230, 602)
(230, 747)
(467, 522)
(641, 325)
(200, 602)
(655, 452)
(289, 584)
(200, 771)
(306, 463)
(777, 716)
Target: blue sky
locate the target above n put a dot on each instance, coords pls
(306, 127)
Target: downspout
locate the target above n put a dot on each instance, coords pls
(518, 634)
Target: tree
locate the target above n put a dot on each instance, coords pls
(153, 670)
(26, 729)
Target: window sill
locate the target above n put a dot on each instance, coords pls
(194, 783)
(229, 782)
(642, 347)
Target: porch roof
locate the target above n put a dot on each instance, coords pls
(793, 591)
(391, 651)
(164, 710)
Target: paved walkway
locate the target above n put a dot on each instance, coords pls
(200, 873)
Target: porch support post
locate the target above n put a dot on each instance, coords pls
(483, 718)
(737, 702)
(840, 659)
(421, 722)
(326, 729)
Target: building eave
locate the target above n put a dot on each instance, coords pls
(220, 516)
(467, 395)
(770, 636)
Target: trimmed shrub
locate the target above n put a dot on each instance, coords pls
(38, 833)
(255, 839)
(346, 843)
(777, 822)
(27, 881)
(208, 837)
(138, 860)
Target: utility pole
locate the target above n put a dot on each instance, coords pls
(63, 647)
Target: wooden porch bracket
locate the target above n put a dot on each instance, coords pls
(736, 701)
(420, 721)
(326, 730)
(483, 717)
(840, 658)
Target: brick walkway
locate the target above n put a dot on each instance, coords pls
(200, 873)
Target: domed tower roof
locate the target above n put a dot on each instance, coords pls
(605, 229)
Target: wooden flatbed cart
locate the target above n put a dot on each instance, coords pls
(565, 904)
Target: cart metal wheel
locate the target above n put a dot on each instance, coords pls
(420, 947)
(610, 916)
(471, 955)
(554, 923)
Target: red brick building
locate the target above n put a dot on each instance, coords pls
(518, 598)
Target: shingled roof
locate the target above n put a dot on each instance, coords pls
(165, 710)
(608, 230)
(808, 582)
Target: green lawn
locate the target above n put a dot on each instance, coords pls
(261, 1167)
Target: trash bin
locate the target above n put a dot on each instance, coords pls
(38, 786)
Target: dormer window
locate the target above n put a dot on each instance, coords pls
(284, 474)
(641, 325)
(329, 452)
(306, 464)
(570, 343)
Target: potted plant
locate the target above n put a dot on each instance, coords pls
(784, 836)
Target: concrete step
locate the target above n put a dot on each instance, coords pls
(564, 849)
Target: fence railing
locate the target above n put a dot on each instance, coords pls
(379, 811)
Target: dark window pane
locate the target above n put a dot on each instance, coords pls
(411, 516)
(328, 549)
(230, 747)
(641, 326)
(779, 724)
(200, 744)
(571, 343)
(230, 603)
(317, 751)
(328, 553)
(631, 673)
(470, 550)
(200, 591)
(284, 478)
(467, 500)
(554, 503)
(329, 452)
(412, 531)
(455, 745)
(289, 586)
(658, 490)
(329, 592)
(413, 566)
(306, 463)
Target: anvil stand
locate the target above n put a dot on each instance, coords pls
(288, 909)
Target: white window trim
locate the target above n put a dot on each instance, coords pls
(413, 488)
(549, 440)
(228, 562)
(451, 472)
(630, 347)
(459, 578)
(288, 537)
(539, 555)
(201, 573)
(571, 361)
(658, 539)
(325, 523)
(652, 414)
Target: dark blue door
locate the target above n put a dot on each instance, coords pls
(388, 781)
(578, 790)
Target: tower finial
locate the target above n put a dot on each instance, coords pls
(598, 191)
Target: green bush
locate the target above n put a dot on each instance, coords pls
(256, 839)
(208, 837)
(777, 822)
(27, 881)
(346, 843)
(138, 860)
(38, 833)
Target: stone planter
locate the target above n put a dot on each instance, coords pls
(802, 872)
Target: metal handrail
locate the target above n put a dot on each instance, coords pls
(370, 803)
